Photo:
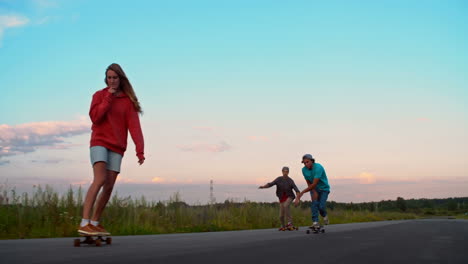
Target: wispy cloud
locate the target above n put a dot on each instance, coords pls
(126, 180)
(44, 20)
(158, 180)
(366, 178)
(28, 137)
(205, 147)
(64, 146)
(155, 180)
(49, 161)
(10, 21)
(361, 178)
(7, 21)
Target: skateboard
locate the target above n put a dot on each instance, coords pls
(316, 229)
(92, 240)
(290, 228)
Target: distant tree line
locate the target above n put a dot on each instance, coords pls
(426, 206)
(422, 206)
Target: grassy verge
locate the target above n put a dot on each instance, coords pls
(46, 214)
(461, 216)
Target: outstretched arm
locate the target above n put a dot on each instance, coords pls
(268, 185)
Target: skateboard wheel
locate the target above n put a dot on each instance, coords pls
(308, 231)
(108, 241)
(323, 230)
(98, 242)
(76, 242)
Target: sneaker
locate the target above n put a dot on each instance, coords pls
(325, 220)
(101, 230)
(88, 229)
(315, 225)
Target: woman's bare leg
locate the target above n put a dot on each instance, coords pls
(105, 194)
(100, 175)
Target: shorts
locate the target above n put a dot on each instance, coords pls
(112, 159)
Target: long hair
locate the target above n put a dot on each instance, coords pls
(125, 85)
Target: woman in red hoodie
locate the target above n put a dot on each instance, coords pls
(114, 111)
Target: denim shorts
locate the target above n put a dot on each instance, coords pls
(112, 159)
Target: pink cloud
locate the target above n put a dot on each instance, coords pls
(158, 180)
(126, 180)
(366, 178)
(361, 178)
(9, 21)
(25, 138)
(154, 180)
(205, 147)
(391, 189)
(80, 182)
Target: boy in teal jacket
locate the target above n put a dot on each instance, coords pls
(318, 186)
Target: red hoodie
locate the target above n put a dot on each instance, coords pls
(112, 117)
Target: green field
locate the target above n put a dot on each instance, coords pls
(45, 213)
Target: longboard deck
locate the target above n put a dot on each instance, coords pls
(292, 228)
(315, 230)
(96, 240)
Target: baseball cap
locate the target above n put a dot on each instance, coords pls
(306, 156)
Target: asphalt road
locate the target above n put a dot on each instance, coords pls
(412, 241)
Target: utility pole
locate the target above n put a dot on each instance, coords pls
(212, 198)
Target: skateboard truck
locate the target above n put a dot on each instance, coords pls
(89, 240)
(316, 229)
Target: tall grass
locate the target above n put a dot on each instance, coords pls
(45, 213)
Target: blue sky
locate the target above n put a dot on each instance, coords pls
(234, 90)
